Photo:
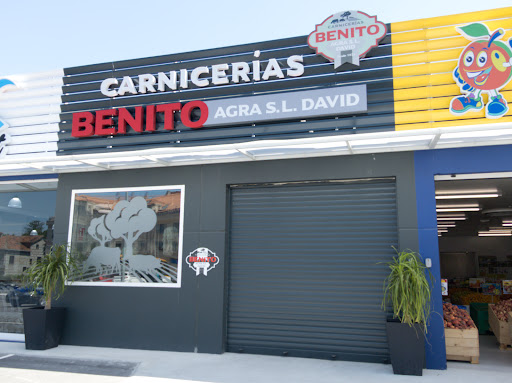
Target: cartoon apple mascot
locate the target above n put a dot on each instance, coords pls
(485, 65)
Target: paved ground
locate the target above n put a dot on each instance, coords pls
(11, 318)
(75, 364)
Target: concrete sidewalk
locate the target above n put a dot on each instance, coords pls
(17, 365)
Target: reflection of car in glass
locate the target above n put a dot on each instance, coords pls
(5, 287)
(25, 296)
(128, 278)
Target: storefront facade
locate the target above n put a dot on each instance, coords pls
(246, 198)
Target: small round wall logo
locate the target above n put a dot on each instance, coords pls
(5, 138)
(202, 260)
(345, 37)
(484, 67)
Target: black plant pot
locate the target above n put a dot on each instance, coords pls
(43, 328)
(406, 348)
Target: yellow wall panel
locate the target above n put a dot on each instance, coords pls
(448, 31)
(410, 94)
(417, 81)
(462, 18)
(403, 83)
(430, 45)
(426, 92)
(426, 57)
(440, 111)
(433, 115)
(425, 104)
(419, 69)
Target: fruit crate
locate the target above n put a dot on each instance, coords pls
(462, 344)
(479, 312)
(500, 329)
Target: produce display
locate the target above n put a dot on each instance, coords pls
(502, 308)
(455, 317)
(466, 297)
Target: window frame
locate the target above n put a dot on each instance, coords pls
(181, 188)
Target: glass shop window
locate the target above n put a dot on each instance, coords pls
(128, 236)
(26, 226)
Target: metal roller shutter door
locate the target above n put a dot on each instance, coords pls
(305, 278)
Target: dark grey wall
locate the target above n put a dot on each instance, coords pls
(192, 317)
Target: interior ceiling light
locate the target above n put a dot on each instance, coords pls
(458, 209)
(461, 204)
(451, 217)
(496, 230)
(15, 202)
(464, 196)
(468, 193)
(470, 206)
(495, 233)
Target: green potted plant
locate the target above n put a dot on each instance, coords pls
(43, 325)
(407, 289)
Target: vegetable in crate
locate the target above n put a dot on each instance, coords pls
(502, 308)
(455, 317)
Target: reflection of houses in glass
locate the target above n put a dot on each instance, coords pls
(18, 253)
(162, 241)
(167, 209)
(86, 208)
(49, 234)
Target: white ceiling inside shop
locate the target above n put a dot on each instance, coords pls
(28, 185)
(492, 211)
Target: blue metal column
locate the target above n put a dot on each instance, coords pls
(435, 350)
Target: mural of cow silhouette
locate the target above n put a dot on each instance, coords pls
(143, 263)
(103, 257)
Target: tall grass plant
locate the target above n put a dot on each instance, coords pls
(408, 289)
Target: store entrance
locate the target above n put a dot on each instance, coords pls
(474, 220)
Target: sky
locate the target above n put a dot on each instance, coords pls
(37, 36)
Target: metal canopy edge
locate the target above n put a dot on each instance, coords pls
(368, 143)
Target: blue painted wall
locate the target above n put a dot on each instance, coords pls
(427, 165)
